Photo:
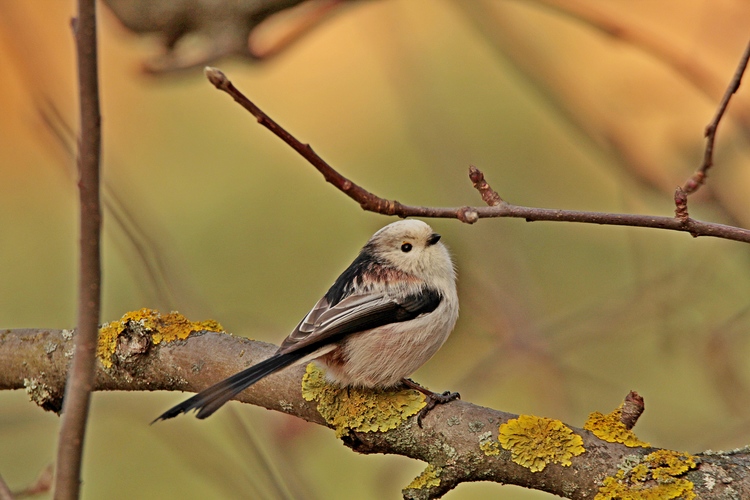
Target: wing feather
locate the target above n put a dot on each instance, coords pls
(356, 313)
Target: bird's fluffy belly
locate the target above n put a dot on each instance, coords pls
(383, 356)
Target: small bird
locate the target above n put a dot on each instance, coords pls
(383, 318)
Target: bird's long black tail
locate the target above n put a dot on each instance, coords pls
(213, 398)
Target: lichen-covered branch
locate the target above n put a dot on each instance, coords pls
(460, 441)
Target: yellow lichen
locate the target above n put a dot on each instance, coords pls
(489, 445)
(655, 478)
(429, 478)
(610, 428)
(362, 410)
(163, 328)
(666, 464)
(535, 442)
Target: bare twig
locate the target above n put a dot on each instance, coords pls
(367, 200)
(292, 34)
(631, 410)
(42, 484)
(80, 382)
(371, 202)
(699, 177)
(225, 28)
(680, 203)
(489, 195)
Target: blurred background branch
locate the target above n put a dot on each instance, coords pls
(217, 29)
(5, 493)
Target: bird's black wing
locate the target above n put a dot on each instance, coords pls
(353, 314)
(356, 313)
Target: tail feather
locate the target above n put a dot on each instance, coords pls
(209, 400)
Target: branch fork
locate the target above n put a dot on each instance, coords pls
(495, 205)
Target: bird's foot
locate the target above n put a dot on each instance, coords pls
(432, 398)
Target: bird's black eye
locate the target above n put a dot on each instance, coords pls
(406, 247)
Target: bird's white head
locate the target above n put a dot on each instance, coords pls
(413, 247)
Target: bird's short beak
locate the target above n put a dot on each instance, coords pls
(434, 238)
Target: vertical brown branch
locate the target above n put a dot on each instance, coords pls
(81, 378)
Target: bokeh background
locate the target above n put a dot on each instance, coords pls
(563, 104)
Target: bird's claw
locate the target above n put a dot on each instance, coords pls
(433, 400)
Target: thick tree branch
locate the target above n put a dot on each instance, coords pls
(498, 208)
(80, 383)
(458, 441)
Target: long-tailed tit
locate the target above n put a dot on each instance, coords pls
(383, 318)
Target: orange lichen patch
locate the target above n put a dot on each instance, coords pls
(610, 428)
(429, 478)
(535, 442)
(175, 326)
(654, 478)
(362, 410)
(163, 328)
